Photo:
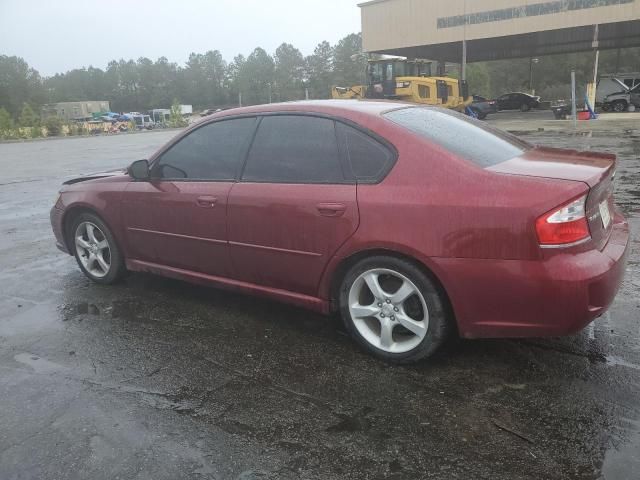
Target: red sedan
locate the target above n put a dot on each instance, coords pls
(413, 223)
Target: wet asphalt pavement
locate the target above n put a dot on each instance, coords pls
(156, 379)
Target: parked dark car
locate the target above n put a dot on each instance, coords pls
(561, 111)
(482, 107)
(412, 222)
(517, 101)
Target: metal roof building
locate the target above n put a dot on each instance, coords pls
(497, 29)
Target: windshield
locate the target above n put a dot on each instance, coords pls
(468, 138)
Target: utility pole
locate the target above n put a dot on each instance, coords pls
(239, 99)
(531, 62)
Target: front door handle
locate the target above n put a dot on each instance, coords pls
(331, 209)
(206, 201)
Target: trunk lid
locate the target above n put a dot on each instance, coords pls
(597, 170)
(588, 167)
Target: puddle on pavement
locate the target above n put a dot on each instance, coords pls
(617, 361)
(622, 460)
(38, 364)
(31, 320)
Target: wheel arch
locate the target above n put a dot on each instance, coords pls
(340, 270)
(72, 213)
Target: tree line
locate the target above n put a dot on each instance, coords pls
(207, 80)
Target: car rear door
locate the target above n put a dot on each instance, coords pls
(503, 102)
(294, 205)
(179, 218)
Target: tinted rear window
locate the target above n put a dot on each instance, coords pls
(470, 139)
(294, 149)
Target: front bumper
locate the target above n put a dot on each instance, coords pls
(558, 295)
(56, 217)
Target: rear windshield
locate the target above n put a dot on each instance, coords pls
(469, 138)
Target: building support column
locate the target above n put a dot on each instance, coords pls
(594, 89)
(464, 60)
(574, 115)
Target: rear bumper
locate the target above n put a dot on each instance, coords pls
(559, 295)
(55, 216)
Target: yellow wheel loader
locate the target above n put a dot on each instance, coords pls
(408, 81)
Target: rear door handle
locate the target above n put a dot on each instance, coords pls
(331, 209)
(206, 201)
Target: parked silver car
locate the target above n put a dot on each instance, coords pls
(620, 101)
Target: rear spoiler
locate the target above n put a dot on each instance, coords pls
(581, 153)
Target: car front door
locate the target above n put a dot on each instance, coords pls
(179, 218)
(293, 207)
(516, 100)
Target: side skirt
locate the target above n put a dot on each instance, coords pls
(305, 301)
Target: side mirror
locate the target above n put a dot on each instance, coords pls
(139, 170)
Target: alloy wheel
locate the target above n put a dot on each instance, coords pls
(619, 106)
(93, 249)
(388, 310)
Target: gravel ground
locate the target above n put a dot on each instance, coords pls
(156, 379)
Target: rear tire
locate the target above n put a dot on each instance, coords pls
(95, 249)
(393, 310)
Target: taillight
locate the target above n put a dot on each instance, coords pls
(565, 225)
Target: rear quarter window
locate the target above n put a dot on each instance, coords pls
(467, 138)
(368, 159)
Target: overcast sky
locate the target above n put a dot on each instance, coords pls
(58, 35)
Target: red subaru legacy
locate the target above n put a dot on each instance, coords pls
(412, 222)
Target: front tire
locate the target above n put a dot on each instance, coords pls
(619, 106)
(393, 310)
(95, 249)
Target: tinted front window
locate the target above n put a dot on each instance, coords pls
(212, 152)
(369, 159)
(294, 149)
(470, 139)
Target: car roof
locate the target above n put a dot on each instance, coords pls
(328, 107)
